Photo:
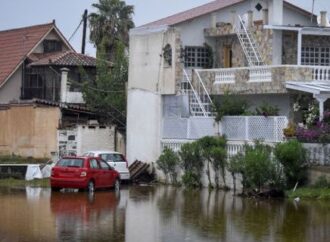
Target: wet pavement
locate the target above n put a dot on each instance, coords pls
(157, 213)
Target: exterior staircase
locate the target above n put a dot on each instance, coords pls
(200, 103)
(248, 44)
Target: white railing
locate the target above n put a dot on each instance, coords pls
(261, 74)
(203, 94)
(321, 73)
(225, 76)
(196, 105)
(318, 154)
(250, 128)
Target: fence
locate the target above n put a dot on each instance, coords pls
(249, 128)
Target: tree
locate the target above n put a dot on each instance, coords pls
(111, 23)
(167, 163)
(107, 91)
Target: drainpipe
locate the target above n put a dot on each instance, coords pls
(299, 46)
(64, 83)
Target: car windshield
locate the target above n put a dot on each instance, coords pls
(113, 157)
(71, 163)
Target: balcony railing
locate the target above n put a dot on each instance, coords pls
(248, 78)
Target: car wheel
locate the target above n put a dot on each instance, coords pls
(91, 187)
(55, 189)
(117, 185)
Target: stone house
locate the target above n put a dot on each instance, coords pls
(262, 50)
(42, 111)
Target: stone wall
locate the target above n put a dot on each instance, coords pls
(243, 86)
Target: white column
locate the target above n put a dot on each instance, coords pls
(299, 47)
(321, 99)
(64, 83)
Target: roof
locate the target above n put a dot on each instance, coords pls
(314, 87)
(67, 58)
(206, 9)
(16, 44)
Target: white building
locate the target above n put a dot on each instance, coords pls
(263, 50)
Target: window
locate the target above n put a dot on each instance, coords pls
(315, 56)
(197, 56)
(71, 163)
(52, 46)
(93, 164)
(104, 165)
(112, 157)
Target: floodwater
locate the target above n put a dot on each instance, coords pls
(157, 213)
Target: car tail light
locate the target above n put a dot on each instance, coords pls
(83, 174)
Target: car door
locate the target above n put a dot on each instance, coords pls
(108, 177)
(95, 172)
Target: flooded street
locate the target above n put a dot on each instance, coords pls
(151, 214)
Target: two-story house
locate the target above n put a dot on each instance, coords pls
(42, 111)
(263, 50)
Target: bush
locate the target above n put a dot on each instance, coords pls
(167, 163)
(192, 164)
(213, 151)
(322, 182)
(266, 109)
(292, 156)
(230, 105)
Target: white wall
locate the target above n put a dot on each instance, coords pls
(143, 125)
(94, 138)
(11, 90)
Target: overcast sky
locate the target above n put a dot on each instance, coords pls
(67, 13)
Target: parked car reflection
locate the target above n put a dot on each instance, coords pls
(96, 216)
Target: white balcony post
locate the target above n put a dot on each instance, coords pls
(321, 99)
(64, 83)
(299, 46)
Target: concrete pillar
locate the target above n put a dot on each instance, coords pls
(233, 17)
(321, 99)
(299, 46)
(324, 19)
(213, 20)
(64, 83)
(265, 16)
(250, 19)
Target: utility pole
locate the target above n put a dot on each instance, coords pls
(312, 15)
(84, 32)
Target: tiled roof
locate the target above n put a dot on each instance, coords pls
(67, 58)
(15, 44)
(206, 9)
(194, 12)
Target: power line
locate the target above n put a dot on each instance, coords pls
(74, 32)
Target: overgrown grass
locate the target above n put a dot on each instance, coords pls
(15, 159)
(310, 193)
(11, 182)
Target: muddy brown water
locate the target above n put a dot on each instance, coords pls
(157, 213)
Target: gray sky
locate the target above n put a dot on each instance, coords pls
(67, 13)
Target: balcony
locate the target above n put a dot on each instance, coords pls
(258, 79)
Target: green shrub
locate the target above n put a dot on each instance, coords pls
(213, 151)
(192, 164)
(292, 156)
(322, 182)
(266, 109)
(167, 163)
(230, 105)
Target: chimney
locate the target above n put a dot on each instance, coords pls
(213, 20)
(64, 83)
(265, 16)
(250, 19)
(233, 17)
(324, 19)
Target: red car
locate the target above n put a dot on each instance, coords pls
(84, 173)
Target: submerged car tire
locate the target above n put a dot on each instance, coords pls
(91, 187)
(117, 185)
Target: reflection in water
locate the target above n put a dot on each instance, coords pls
(152, 214)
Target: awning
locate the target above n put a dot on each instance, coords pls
(319, 89)
(314, 87)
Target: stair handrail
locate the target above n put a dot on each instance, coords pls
(249, 39)
(194, 92)
(204, 88)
